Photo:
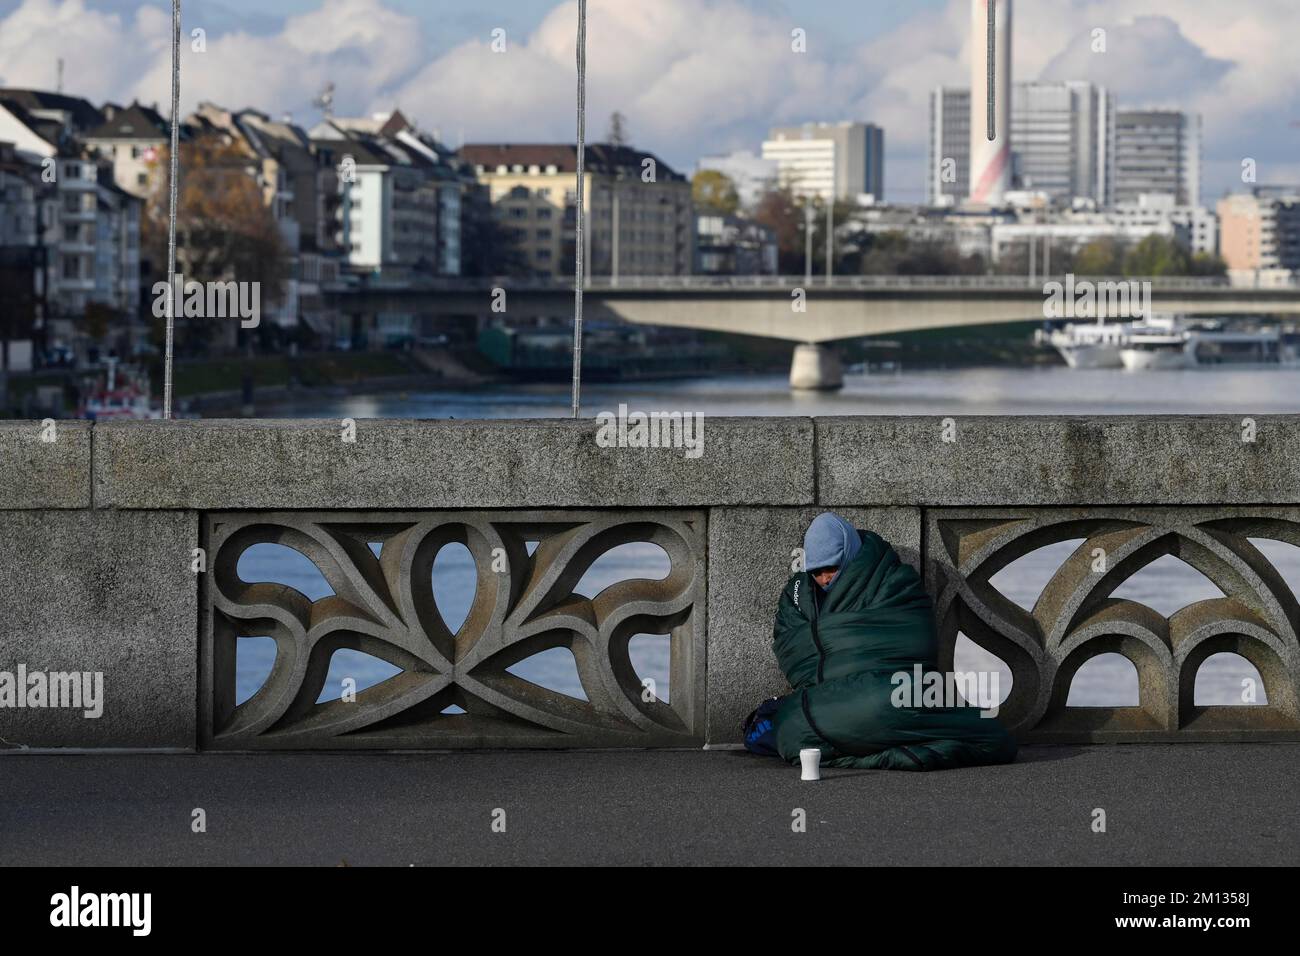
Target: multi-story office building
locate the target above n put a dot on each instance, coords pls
(1259, 231)
(840, 161)
(640, 218)
(1060, 133)
(1156, 151)
(949, 167)
(1060, 140)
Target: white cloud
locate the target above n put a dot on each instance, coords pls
(361, 45)
(101, 51)
(692, 76)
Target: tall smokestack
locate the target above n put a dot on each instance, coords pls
(990, 131)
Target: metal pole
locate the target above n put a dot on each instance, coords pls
(171, 213)
(992, 70)
(830, 241)
(1033, 249)
(614, 267)
(578, 226)
(807, 229)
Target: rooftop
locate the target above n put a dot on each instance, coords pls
(563, 157)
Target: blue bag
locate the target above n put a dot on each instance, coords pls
(760, 730)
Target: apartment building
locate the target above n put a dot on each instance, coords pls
(1259, 232)
(400, 196)
(1156, 151)
(86, 228)
(132, 138)
(22, 262)
(640, 218)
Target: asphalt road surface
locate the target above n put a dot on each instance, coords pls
(1173, 804)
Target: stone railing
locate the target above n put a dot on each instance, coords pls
(119, 545)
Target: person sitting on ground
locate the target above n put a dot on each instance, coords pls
(846, 629)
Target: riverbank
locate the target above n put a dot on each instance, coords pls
(215, 388)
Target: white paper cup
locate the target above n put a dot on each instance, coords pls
(811, 759)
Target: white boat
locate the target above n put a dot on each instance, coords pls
(1088, 344)
(1163, 342)
(1157, 350)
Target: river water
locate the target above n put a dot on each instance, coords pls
(1108, 680)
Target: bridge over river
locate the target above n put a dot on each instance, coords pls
(810, 312)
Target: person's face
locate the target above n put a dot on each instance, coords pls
(823, 576)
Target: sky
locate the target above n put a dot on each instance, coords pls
(693, 77)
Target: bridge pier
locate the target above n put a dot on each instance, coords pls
(815, 368)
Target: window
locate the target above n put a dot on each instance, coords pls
(544, 212)
(142, 179)
(543, 235)
(71, 232)
(71, 267)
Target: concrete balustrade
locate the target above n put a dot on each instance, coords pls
(99, 528)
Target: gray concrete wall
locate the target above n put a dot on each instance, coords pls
(97, 527)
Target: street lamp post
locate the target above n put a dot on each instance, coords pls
(830, 240)
(808, 241)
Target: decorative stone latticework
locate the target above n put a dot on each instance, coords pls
(1076, 617)
(383, 605)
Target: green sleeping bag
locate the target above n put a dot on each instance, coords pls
(841, 649)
